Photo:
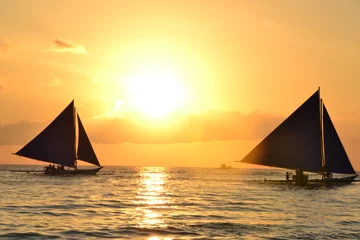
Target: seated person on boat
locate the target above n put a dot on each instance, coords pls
(60, 167)
(288, 176)
(47, 168)
(326, 174)
(52, 169)
(300, 177)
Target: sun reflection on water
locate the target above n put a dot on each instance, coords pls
(152, 197)
(157, 238)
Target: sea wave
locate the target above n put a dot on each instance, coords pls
(187, 203)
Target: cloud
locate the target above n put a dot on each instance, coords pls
(203, 127)
(20, 132)
(4, 47)
(62, 46)
(190, 128)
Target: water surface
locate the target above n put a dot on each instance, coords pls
(174, 203)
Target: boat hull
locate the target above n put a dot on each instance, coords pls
(348, 179)
(75, 172)
(335, 180)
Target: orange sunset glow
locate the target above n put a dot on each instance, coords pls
(175, 83)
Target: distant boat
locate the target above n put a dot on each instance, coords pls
(63, 142)
(224, 167)
(305, 141)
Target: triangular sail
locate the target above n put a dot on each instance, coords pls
(85, 150)
(295, 143)
(336, 159)
(56, 143)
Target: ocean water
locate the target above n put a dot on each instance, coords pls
(173, 203)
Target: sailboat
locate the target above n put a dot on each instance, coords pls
(225, 167)
(306, 141)
(63, 142)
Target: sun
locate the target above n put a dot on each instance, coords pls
(156, 91)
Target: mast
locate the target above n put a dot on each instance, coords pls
(322, 151)
(76, 133)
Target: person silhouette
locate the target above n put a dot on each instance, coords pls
(288, 176)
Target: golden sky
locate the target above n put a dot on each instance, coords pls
(176, 83)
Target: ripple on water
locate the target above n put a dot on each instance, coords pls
(27, 235)
(178, 203)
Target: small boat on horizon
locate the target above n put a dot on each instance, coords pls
(306, 141)
(63, 142)
(224, 167)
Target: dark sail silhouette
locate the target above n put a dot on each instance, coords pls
(336, 158)
(56, 143)
(85, 150)
(305, 141)
(295, 143)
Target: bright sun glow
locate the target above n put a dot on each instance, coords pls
(156, 91)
